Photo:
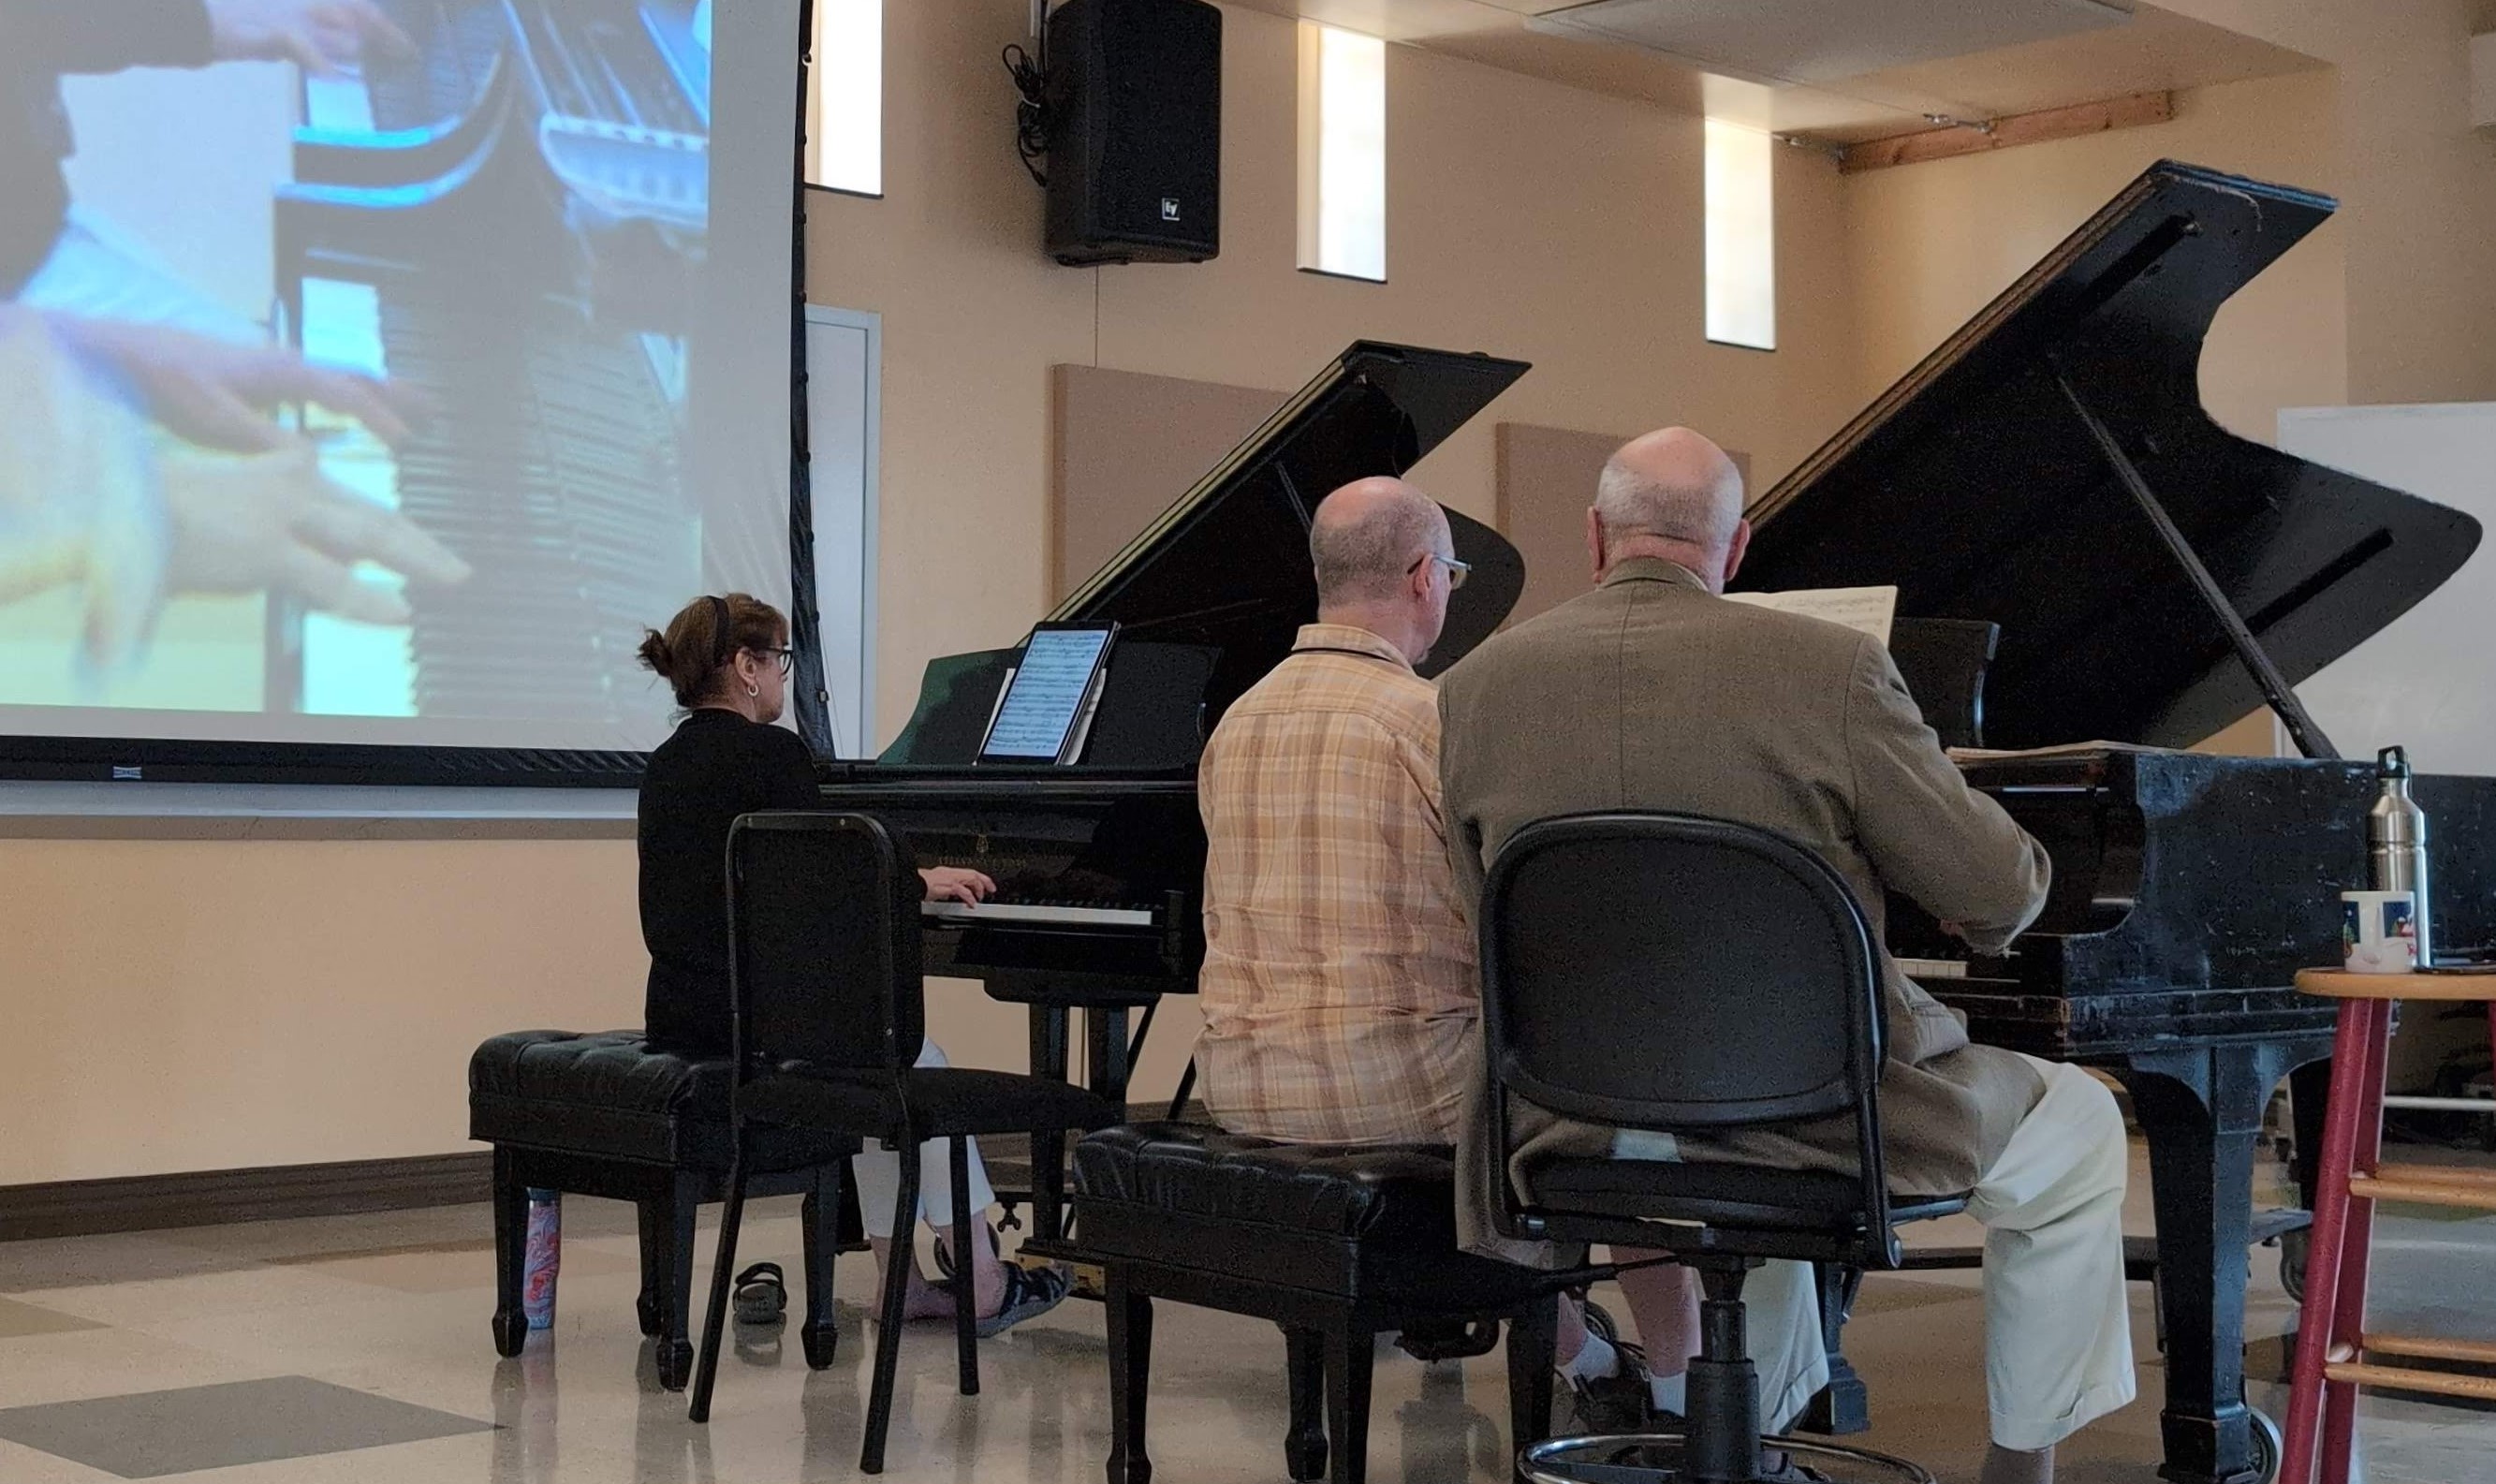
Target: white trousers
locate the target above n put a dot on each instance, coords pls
(2057, 1324)
(878, 1173)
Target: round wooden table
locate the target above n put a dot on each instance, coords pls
(2340, 983)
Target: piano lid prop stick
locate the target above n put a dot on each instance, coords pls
(2275, 688)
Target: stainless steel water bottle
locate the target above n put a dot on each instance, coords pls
(2396, 842)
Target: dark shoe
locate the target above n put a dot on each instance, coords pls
(1620, 1403)
(762, 1295)
(1612, 1404)
(1030, 1293)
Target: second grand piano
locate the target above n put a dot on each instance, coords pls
(1099, 865)
(2050, 470)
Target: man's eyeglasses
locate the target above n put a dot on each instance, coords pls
(1456, 570)
(786, 657)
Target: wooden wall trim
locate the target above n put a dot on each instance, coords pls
(2008, 132)
(82, 1208)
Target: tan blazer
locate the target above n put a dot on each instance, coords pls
(1652, 693)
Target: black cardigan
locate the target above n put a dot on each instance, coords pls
(716, 766)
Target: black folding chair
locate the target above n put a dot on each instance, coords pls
(1689, 976)
(829, 1013)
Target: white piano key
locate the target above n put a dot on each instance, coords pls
(1037, 914)
(341, 103)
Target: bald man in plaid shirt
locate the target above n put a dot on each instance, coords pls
(1338, 991)
(1340, 999)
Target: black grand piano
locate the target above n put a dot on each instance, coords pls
(1099, 863)
(2050, 470)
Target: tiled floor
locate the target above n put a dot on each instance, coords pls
(354, 1350)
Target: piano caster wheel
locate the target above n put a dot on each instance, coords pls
(2292, 1248)
(2267, 1446)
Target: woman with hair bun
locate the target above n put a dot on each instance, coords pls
(726, 660)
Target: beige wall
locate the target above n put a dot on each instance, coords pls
(1928, 245)
(190, 1004)
(198, 1005)
(2417, 186)
(1524, 219)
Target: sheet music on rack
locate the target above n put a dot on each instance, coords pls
(2058, 750)
(1866, 610)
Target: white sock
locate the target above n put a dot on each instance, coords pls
(1595, 1360)
(1671, 1393)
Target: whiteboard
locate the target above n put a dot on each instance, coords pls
(2428, 681)
(844, 367)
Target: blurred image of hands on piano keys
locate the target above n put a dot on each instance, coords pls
(241, 506)
(326, 376)
(323, 37)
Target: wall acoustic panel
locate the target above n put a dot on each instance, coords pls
(1123, 446)
(1546, 479)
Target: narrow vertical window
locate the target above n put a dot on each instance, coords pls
(1343, 152)
(845, 134)
(1741, 236)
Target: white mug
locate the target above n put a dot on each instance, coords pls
(2377, 932)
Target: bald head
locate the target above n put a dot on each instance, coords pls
(1368, 542)
(1671, 493)
(1366, 536)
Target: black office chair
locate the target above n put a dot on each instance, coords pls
(1693, 976)
(829, 1012)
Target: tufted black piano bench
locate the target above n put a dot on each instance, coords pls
(1336, 1244)
(601, 1114)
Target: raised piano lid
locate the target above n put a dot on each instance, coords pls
(1975, 487)
(1228, 565)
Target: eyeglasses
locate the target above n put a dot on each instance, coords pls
(786, 657)
(1456, 570)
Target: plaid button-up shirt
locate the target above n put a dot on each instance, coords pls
(1339, 996)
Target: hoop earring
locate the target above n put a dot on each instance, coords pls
(753, 689)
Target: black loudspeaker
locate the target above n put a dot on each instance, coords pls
(1135, 131)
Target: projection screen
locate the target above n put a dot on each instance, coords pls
(376, 379)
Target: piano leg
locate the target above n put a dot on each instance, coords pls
(2309, 1091)
(2200, 1108)
(1105, 1030)
(1048, 1048)
(1845, 1405)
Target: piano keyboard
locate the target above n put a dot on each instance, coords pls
(1037, 913)
(550, 467)
(1933, 968)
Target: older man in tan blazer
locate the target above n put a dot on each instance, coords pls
(1653, 692)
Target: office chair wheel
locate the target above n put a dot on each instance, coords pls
(1652, 1458)
(2267, 1446)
